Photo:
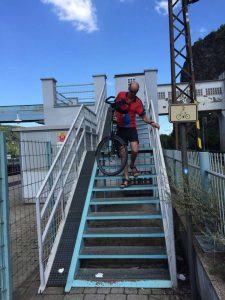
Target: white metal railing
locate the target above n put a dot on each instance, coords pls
(74, 94)
(216, 178)
(55, 194)
(207, 173)
(164, 191)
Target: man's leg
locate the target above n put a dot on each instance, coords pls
(123, 156)
(125, 182)
(134, 153)
(123, 134)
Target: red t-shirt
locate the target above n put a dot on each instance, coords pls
(128, 119)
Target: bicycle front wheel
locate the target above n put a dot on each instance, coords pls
(111, 155)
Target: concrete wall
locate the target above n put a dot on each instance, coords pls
(52, 114)
(205, 288)
(39, 146)
(64, 116)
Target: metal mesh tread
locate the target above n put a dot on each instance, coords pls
(121, 250)
(123, 274)
(126, 198)
(66, 245)
(148, 176)
(125, 230)
(124, 213)
(129, 188)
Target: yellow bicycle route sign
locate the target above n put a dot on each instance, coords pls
(183, 113)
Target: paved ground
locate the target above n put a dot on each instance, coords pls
(29, 292)
(109, 294)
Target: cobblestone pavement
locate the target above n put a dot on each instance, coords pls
(109, 294)
(29, 292)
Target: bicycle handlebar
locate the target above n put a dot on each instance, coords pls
(110, 102)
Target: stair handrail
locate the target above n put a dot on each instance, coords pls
(55, 194)
(101, 116)
(164, 191)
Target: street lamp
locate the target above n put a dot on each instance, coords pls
(17, 120)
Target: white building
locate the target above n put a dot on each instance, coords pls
(210, 97)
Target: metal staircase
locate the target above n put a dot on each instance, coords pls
(125, 238)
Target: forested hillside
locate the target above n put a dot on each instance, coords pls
(208, 56)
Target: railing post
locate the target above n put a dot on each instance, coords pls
(151, 89)
(5, 260)
(204, 166)
(99, 82)
(40, 246)
(49, 96)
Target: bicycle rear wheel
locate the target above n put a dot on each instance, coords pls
(111, 155)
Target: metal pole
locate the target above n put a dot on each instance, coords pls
(5, 251)
(189, 51)
(203, 133)
(180, 15)
(173, 68)
(186, 187)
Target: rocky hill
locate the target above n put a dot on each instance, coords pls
(208, 56)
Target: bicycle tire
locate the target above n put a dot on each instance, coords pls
(108, 156)
(178, 117)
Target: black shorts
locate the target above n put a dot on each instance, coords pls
(128, 134)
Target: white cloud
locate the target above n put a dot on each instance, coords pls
(162, 6)
(81, 13)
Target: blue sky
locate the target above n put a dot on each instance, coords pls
(71, 40)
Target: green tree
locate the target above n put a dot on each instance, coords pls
(12, 140)
(167, 141)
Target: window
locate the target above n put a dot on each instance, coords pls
(198, 92)
(161, 95)
(169, 95)
(214, 91)
(129, 81)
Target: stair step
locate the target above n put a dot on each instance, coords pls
(139, 165)
(143, 149)
(121, 176)
(141, 159)
(129, 188)
(124, 215)
(141, 129)
(142, 134)
(124, 232)
(120, 252)
(128, 200)
(123, 274)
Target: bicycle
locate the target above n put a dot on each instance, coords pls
(183, 115)
(111, 154)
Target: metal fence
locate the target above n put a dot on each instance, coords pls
(24, 175)
(74, 94)
(20, 182)
(207, 175)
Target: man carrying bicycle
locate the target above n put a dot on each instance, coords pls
(126, 106)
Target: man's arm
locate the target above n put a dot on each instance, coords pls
(148, 121)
